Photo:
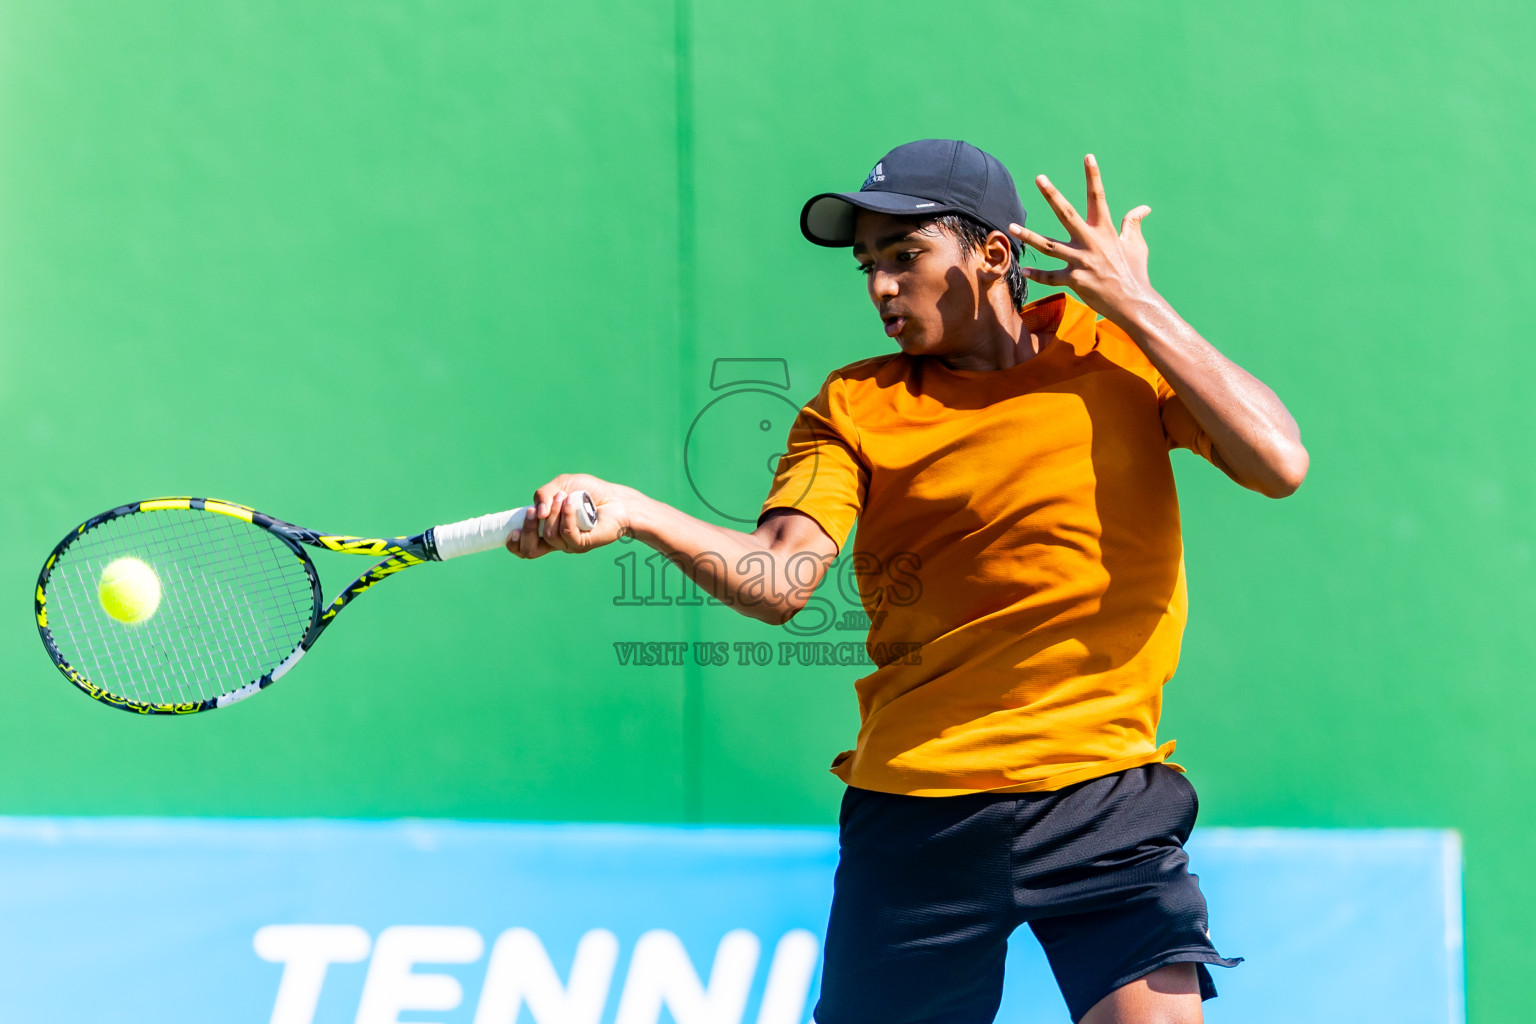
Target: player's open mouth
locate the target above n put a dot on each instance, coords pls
(894, 325)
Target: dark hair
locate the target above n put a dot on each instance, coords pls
(972, 236)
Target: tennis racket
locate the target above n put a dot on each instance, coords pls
(225, 600)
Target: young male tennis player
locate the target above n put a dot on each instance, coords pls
(1013, 460)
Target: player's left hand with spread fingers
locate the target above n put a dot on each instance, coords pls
(553, 525)
(1105, 267)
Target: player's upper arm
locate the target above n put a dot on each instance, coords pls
(801, 552)
(821, 474)
(790, 532)
(818, 490)
(1179, 425)
(1182, 431)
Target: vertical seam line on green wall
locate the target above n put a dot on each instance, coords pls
(1455, 936)
(687, 358)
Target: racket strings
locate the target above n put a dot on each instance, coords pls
(235, 601)
(109, 657)
(196, 671)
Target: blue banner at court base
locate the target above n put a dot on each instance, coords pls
(325, 922)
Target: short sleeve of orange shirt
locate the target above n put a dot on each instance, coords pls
(1018, 553)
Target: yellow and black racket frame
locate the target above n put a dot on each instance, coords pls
(395, 554)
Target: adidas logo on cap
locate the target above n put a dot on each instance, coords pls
(878, 174)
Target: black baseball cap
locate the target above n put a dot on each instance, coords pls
(930, 176)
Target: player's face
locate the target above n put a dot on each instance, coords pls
(923, 286)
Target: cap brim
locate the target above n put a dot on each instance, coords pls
(828, 219)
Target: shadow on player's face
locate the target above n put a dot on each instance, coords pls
(924, 286)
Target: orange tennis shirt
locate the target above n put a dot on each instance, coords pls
(1018, 554)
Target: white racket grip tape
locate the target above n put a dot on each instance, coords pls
(486, 533)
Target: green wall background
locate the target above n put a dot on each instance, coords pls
(370, 266)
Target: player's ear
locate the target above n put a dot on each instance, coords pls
(997, 253)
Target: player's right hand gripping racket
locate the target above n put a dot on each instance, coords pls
(178, 605)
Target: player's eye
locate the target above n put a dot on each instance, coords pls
(866, 269)
(907, 257)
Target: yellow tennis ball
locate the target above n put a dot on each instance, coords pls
(130, 590)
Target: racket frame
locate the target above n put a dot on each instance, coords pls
(396, 554)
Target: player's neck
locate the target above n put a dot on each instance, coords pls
(997, 339)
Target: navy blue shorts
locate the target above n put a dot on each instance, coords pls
(928, 890)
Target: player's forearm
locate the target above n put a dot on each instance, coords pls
(1254, 436)
(743, 570)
